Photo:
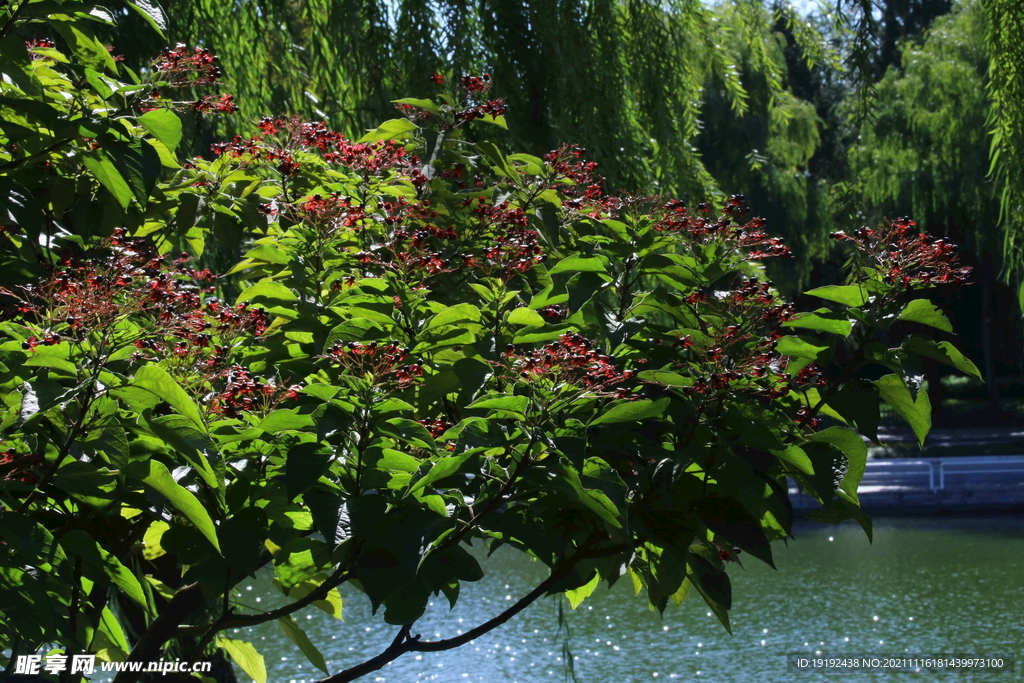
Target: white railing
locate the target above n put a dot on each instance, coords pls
(888, 472)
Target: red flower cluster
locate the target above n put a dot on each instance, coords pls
(676, 218)
(436, 427)
(373, 158)
(476, 84)
(41, 43)
(571, 360)
(908, 257)
(382, 364)
(89, 299)
(804, 419)
(738, 357)
(412, 250)
(333, 210)
(554, 312)
(125, 278)
(472, 88)
(495, 107)
(224, 105)
(400, 211)
(583, 191)
(810, 376)
(244, 392)
(20, 468)
(181, 66)
(515, 251)
(724, 554)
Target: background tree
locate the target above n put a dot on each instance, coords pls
(623, 79)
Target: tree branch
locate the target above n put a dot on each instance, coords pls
(404, 643)
(186, 601)
(230, 620)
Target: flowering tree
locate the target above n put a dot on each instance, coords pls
(436, 344)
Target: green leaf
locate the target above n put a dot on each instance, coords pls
(52, 361)
(855, 450)
(525, 316)
(111, 628)
(100, 565)
(729, 519)
(331, 604)
(285, 420)
(925, 312)
(944, 352)
(299, 560)
(152, 13)
(840, 510)
(18, 204)
(266, 289)
(407, 431)
(164, 125)
(669, 379)
(155, 474)
(577, 595)
(139, 164)
(30, 539)
(85, 46)
(245, 655)
(505, 406)
(848, 295)
(87, 483)
(442, 469)
(579, 264)
(822, 320)
(104, 170)
(713, 585)
(458, 313)
(549, 296)
(428, 105)
(193, 445)
(305, 463)
(299, 637)
(632, 411)
(795, 456)
(498, 121)
(155, 379)
(113, 443)
(801, 347)
(390, 130)
(917, 412)
(502, 164)
(857, 403)
(151, 548)
(829, 469)
(530, 335)
(355, 329)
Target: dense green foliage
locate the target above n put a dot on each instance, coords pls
(436, 344)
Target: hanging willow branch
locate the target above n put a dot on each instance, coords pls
(624, 78)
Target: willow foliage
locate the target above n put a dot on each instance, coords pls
(765, 148)
(1006, 90)
(926, 148)
(625, 78)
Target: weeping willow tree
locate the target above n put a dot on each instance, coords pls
(624, 78)
(925, 153)
(1005, 43)
(925, 150)
(765, 149)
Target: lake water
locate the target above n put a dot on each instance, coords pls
(925, 586)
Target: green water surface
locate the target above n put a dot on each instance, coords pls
(925, 586)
